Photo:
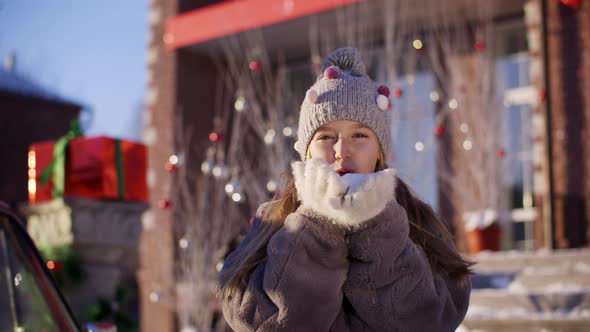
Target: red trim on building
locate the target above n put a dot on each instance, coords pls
(231, 17)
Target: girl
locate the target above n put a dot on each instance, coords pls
(346, 247)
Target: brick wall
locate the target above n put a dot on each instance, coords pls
(156, 275)
(180, 97)
(568, 38)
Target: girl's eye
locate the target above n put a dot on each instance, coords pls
(360, 135)
(324, 137)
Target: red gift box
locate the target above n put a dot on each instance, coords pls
(91, 170)
(489, 238)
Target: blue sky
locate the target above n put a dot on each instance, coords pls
(89, 52)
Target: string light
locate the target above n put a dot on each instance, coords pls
(464, 128)
(453, 104)
(417, 44)
(240, 104)
(207, 166)
(434, 96)
(288, 131)
(232, 187)
(155, 297)
(419, 146)
(236, 197)
(220, 171)
(271, 186)
(269, 138)
(467, 144)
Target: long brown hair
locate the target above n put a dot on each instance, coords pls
(426, 230)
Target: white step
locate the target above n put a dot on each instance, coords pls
(516, 261)
(504, 302)
(526, 324)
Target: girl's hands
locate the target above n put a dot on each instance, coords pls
(348, 200)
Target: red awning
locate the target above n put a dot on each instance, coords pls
(231, 17)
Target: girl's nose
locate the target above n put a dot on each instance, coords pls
(342, 150)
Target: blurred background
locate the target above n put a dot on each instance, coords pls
(138, 139)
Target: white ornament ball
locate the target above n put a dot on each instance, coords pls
(382, 102)
(312, 96)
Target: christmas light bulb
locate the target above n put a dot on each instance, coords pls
(240, 104)
(417, 44)
(288, 131)
(467, 145)
(271, 186)
(183, 243)
(419, 146)
(434, 96)
(453, 104)
(269, 138)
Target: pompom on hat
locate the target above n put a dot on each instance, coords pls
(344, 92)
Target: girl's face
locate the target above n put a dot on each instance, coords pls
(348, 146)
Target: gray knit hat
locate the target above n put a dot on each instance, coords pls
(344, 92)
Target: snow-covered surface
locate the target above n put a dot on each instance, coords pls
(475, 312)
(524, 291)
(484, 218)
(544, 288)
(533, 262)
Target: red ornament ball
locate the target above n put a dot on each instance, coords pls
(54, 266)
(542, 95)
(439, 131)
(254, 65)
(479, 45)
(170, 167)
(164, 204)
(383, 90)
(398, 92)
(331, 73)
(215, 137)
(501, 153)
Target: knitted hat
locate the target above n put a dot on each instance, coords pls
(344, 92)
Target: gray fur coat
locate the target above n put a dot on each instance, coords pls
(319, 276)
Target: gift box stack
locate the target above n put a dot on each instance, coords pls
(92, 191)
(87, 167)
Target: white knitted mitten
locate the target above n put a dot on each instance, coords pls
(349, 200)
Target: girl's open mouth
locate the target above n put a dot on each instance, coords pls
(343, 171)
